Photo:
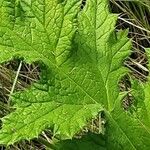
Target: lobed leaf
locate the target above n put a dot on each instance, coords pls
(81, 60)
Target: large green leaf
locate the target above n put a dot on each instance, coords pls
(63, 98)
(81, 60)
(124, 130)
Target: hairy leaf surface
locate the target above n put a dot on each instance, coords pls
(63, 98)
(81, 60)
(123, 129)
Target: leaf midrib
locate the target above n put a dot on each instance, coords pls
(46, 113)
(55, 66)
(128, 139)
(48, 60)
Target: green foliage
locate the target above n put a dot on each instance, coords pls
(81, 59)
(89, 142)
